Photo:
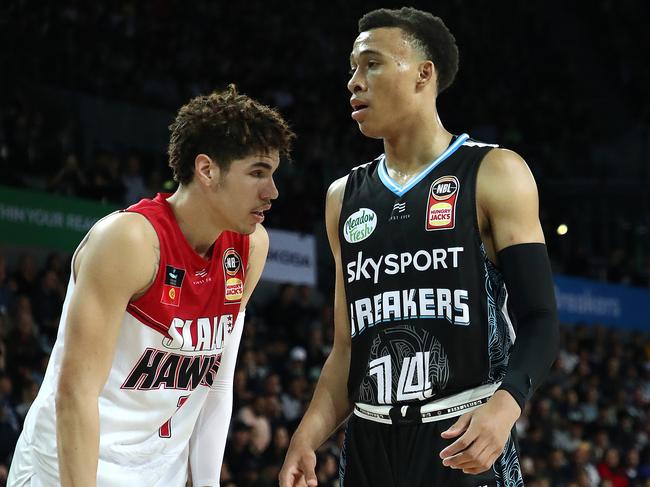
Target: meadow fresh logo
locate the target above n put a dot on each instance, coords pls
(359, 225)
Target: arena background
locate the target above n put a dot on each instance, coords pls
(87, 90)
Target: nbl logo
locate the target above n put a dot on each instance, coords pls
(233, 277)
(441, 207)
(231, 262)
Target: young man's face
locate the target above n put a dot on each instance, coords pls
(384, 73)
(245, 191)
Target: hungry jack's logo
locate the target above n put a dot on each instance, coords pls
(233, 277)
(171, 293)
(441, 207)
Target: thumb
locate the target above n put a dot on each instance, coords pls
(308, 467)
(458, 427)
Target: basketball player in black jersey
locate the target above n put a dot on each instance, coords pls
(444, 308)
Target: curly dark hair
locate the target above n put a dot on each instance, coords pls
(427, 33)
(225, 126)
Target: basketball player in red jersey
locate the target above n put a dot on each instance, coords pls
(139, 384)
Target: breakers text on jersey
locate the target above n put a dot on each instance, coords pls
(414, 303)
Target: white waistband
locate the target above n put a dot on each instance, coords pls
(447, 407)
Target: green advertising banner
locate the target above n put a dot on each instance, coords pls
(40, 219)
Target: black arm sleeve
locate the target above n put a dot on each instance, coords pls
(527, 274)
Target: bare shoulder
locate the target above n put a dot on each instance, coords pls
(337, 189)
(259, 240)
(333, 204)
(505, 169)
(121, 247)
(257, 252)
(334, 200)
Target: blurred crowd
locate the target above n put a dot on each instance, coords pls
(588, 426)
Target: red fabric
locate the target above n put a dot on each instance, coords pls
(617, 476)
(188, 286)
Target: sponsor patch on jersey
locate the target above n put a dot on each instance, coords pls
(359, 225)
(399, 212)
(234, 290)
(233, 276)
(441, 207)
(231, 262)
(171, 290)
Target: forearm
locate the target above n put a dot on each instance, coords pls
(77, 429)
(527, 273)
(330, 405)
(208, 443)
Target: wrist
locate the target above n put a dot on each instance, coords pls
(506, 405)
(302, 441)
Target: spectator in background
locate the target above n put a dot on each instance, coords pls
(239, 450)
(133, 181)
(24, 280)
(25, 353)
(48, 300)
(29, 392)
(293, 399)
(6, 292)
(610, 469)
(9, 424)
(70, 180)
(105, 181)
(253, 416)
(583, 469)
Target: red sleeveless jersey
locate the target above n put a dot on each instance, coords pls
(187, 286)
(167, 356)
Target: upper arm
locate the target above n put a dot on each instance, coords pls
(258, 250)
(118, 260)
(332, 215)
(507, 198)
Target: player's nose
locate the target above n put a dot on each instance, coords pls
(270, 191)
(356, 82)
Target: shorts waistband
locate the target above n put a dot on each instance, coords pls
(447, 407)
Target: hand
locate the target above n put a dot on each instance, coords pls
(299, 469)
(483, 434)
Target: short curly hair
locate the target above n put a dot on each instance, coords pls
(427, 32)
(226, 126)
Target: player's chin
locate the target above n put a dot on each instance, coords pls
(247, 229)
(370, 130)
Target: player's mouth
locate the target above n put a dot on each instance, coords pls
(358, 108)
(258, 214)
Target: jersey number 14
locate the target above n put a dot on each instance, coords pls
(414, 381)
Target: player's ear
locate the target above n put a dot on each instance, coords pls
(427, 74)
(205, 170)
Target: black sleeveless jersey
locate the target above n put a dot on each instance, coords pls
(427, 308)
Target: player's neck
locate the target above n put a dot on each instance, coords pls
(196, 224)
(416, 145)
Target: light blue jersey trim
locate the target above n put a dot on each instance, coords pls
(402, 190)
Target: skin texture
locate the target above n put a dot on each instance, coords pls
(399, 87)
(117, 262)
